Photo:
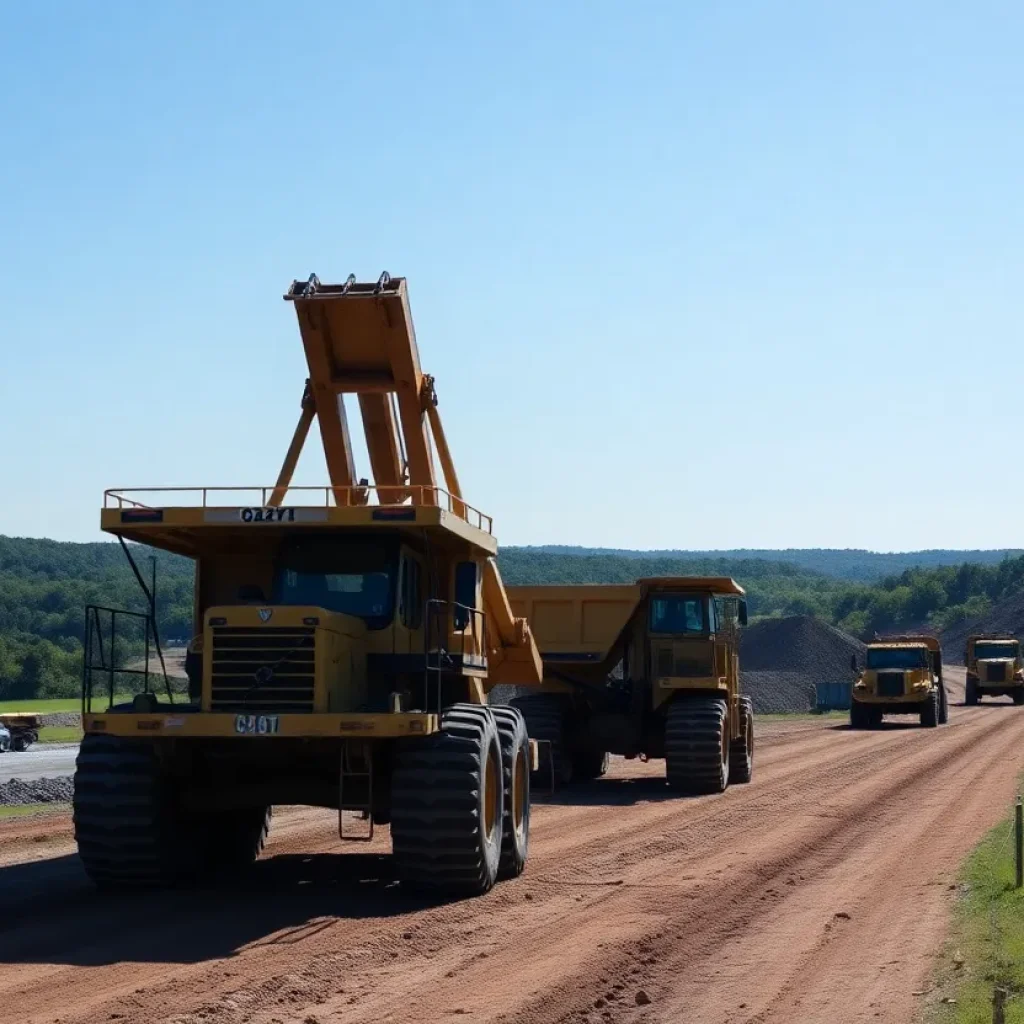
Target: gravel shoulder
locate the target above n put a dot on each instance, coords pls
(817, 893)
(51, 760)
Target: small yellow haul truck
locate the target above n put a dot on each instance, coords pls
(902, 676)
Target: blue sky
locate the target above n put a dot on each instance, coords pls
(688, 275)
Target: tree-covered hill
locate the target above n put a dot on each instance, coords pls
(45, 585)
(852, 564)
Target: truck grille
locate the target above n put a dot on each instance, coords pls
(890, 684)
(995, 673)
(686, 664)
(256, 668)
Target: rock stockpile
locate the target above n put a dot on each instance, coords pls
(782, 660)
(1006, 616)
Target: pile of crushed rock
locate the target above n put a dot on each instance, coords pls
(781, 663)
(783, 660)
(36, 791)
(63, 719)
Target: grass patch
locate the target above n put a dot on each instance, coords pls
(986, 948)
(60, 734)
(43, 706)
(20, 810)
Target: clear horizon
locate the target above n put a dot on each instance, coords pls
(697, 278)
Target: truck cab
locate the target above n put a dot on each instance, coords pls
(334, 623)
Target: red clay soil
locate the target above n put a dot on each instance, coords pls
(820, 892)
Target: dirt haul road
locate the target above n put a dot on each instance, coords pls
(817, 893)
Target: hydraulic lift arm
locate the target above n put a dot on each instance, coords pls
(359, 339)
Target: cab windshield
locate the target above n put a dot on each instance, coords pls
(991, 650)
(678, 615)
(353, 579)
(897, 657)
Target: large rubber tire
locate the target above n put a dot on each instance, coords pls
(447, 805)
(515, 772)
(697, 745)
(1017, 697)
(971, 692)
(132, 834)
(860, 715)
(930, 710)
(943, 705)
(588, 765)
(126, 825)
(545, 722)
(741, 750)
(234, 839)
(23, 740)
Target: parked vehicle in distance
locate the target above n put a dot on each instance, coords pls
(22, 730)
(994, 667)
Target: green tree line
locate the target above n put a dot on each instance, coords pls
(45, 586)
(44, 589)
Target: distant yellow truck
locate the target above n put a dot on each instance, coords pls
(648, 670)
(23, 727)
(902, 676)
(994, 667)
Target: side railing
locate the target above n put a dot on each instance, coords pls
(443, 621)
(387, 496)
(117, 654)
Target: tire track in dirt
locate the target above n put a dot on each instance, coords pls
(716, 907)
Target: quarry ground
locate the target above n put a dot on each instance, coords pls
(820, 892)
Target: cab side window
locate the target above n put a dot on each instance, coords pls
(411, 610)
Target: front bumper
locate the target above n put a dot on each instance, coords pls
(914, 699)
(193, 724)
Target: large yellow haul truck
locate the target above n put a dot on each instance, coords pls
(902, 676)
(994, 667)
(647, 670)
(347, 638)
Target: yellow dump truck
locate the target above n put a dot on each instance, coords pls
(647, 670)
(994, 667)
(23, 727)
(346, 640)
(902, 675)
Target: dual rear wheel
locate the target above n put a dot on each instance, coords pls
(700, 754)
(460, 802)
